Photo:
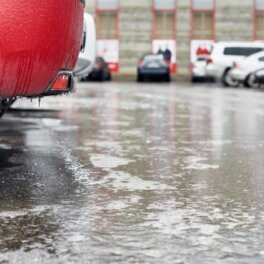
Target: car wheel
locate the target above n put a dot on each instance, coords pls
(228, 81)
(250, 81)
(194, 79)
(140, 77)
(167, 77)
(109, 77)
(101, 76)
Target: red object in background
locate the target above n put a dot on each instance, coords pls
(113, 67)
(37, 40)
(173, 67)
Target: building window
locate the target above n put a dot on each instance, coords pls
(107, 12)
(203, 4)
(164, 22)
(203, 19)
(164, 15)
(107, 25)
(259, 20)
(107, 4)
(164, 4)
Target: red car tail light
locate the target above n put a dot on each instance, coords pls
(61, 83)
(209, 61)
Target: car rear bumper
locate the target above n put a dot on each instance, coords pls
(198, 72)
(30, 58)
(153, 71)
(212, 71)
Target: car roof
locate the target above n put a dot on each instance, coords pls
(240, 43)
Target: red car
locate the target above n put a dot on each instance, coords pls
(39, 46)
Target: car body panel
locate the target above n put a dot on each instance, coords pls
(247, 66)
(259, 76)
(199, 68)
(38, 39)
(87, 54)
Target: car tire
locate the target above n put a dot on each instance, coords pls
(167, 77)
(101, 77)
(140, 77)
(228, 81)
(250, 81)
(109, 77)
(194, 79)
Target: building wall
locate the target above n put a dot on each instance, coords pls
(234, 21)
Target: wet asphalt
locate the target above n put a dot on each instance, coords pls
(128, 173)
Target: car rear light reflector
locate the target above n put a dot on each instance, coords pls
(209, 61)
(61, 83)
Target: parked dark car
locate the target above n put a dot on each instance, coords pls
(100, 71)
(152, 66)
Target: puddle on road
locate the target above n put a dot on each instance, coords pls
(140, 176)
(26, 230)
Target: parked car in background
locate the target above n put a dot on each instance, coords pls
(39, 49)
(100, 72)
(198, 69)
(88, 49)
(153, 66)
(225, 54)
(259, 77)
(244, 71)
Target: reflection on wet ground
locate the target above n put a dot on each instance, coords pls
(134, 174)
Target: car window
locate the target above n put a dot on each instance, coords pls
(241, 51)
(149, 58)
(202, 59)
(261, 59)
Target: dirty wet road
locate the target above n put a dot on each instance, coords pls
(127, 173)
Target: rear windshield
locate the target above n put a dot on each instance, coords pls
(238, 51)
(202, 59)
(149, 58)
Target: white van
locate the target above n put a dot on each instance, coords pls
(88, 49)
(225, 54)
